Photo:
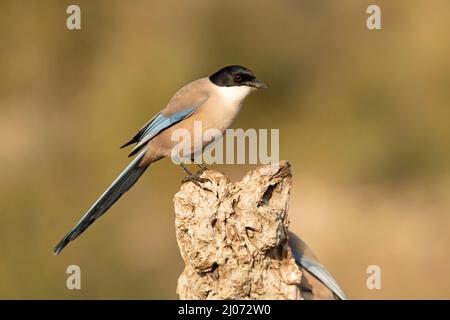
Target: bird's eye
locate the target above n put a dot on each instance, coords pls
(238, 78)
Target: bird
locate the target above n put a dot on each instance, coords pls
(215, 101)
(317, 283)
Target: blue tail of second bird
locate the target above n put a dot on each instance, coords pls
(121, 185)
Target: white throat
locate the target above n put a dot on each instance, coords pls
(233, 95)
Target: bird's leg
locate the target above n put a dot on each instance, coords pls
(192, 177)
(202, 166)
(199, 164)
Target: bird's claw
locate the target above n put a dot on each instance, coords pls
(195, 179)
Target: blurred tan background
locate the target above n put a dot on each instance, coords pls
(363, 118)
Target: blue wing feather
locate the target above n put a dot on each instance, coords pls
(141, 132)
(159, 123)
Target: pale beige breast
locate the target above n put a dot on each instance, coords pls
(217, 112)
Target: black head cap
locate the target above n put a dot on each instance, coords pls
(233, 76)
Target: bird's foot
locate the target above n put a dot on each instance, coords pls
(192, 177)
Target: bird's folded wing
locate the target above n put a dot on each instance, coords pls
(141, 132)
(161, 122)
(183, 104)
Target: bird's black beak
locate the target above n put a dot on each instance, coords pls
(255, 83)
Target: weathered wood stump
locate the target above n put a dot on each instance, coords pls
(233, 237)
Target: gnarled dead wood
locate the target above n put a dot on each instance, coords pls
(233, 237)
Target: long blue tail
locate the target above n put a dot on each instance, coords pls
(121, 185)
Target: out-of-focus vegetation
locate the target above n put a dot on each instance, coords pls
(363, 117)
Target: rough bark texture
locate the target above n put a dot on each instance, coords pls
(233, 237)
